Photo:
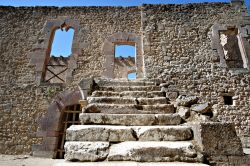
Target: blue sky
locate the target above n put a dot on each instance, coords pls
(125, 51)
(62, 43)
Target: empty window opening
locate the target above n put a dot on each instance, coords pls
(57, 64)
(124, 51)
(228, 100)
(70, 116)
(62, 42)
(132, 76)
(124, 60)
(230, 45)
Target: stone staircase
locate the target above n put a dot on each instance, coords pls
(130, 123)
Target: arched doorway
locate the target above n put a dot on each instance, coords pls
(51, 126)
(69, 116)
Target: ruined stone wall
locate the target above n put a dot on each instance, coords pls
(176, 45)
(124, 66)
(177, 48)
(22, 100)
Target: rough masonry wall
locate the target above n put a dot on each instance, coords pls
(177, 48)
(124, 66)
(22, 101)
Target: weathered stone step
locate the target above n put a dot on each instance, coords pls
(127, 163)
(153, 151)
(128, 133)
(130, 119)
(129, 88)
(130, 108)
(128, 100)
(137, 94)
(120, 82)
(86, 151)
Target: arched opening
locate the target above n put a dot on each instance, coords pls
(40, 54)
(61, 48)
(52, 125)
(125, 56)
(69, 116)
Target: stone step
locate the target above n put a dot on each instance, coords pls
(128, 94)
(128, 100)
(130, 109)
(153, 151)
(128, 133)
(129, 88)
(127, 163)
(121, 82)
(86, 151)
(130, 119)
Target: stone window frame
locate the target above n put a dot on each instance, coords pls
(244, 46)
(40, 53)
(108, 50)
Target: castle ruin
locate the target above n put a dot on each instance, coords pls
(188, 56)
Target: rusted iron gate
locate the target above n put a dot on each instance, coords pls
(70, 116)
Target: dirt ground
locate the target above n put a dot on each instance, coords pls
(26, 160)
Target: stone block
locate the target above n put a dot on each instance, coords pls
(129, 108)
(217, 138)
(152, 151)
(128, 133)
(184, 112)
(204, 108)
(186, 101)
(163, 133)
(99, 133)
(86, 83)
(130, 119)
(172, 95)
(86, 151)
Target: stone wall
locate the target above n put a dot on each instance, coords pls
(56, 69)
(124, 66)
(23, 100)
(176, 47)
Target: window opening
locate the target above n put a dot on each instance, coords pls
(228, 100)
(132, 76)
(125, 51)
(230, 45)
(62, 43)
(61, 47)
(125, 61)
(70, 116)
